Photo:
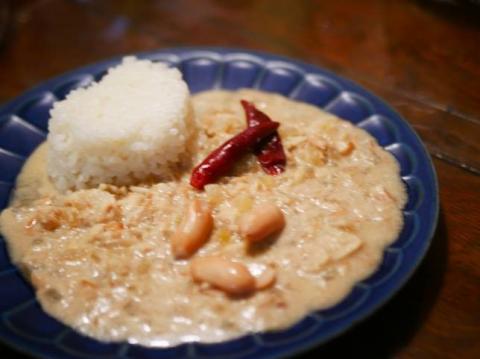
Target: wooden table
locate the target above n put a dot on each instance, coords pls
(422, 56)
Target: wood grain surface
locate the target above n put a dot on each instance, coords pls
(422, 56)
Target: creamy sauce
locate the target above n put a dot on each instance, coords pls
(100, 258)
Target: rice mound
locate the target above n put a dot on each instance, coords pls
(132, 125)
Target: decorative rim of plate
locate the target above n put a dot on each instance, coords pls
(204, 68)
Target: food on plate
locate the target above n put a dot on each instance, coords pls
(194, 230)
(163, 218)
(222, 159)
(231, 277)
(269, 151)
(132, 124)
(261, 223)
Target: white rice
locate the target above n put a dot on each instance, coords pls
(131, 125)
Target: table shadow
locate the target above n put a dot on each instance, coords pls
(460, 12)
(394, 325)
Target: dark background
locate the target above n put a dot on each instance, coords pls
(423, 57)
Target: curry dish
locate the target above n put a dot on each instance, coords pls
(102, 261)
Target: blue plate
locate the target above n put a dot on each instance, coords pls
(23, 126)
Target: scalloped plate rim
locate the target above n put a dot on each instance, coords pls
(307, 68)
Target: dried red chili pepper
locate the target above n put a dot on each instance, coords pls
(269, 151)
(223, 158)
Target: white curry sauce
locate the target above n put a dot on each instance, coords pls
(101, 262)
